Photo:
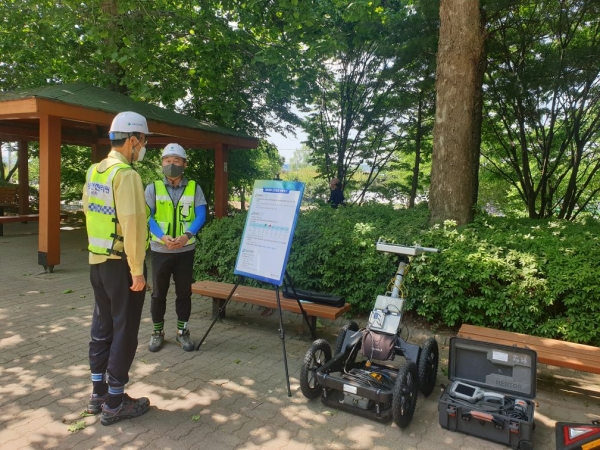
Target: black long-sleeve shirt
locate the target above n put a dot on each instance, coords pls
(336, 198)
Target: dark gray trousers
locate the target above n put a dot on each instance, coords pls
(181, 267)
(116, 320)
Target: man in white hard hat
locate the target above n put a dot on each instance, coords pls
(113, 201)
(177, 212)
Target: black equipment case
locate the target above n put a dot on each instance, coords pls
(314, 297)
(491, 392)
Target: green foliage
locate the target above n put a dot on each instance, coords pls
(529, 276)
(330, 247)
(316, 189)
(217, 248)
(541, 131)
(74, 161)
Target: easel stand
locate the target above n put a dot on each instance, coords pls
(281, 329)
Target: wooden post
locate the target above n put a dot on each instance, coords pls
(221, 180)
(49, 228)
(23, 178)
(99, 152)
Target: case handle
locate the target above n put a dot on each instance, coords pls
(485, 417)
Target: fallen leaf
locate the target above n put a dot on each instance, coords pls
(80, 425)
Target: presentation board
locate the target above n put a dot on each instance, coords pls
(269, 229)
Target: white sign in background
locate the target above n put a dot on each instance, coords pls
(268, 232)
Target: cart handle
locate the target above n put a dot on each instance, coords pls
(404, 249)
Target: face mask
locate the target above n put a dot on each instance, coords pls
(172, 170)
(141, 154)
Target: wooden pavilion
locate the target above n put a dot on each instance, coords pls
(81, 114)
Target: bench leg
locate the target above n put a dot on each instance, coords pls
(312, 325)
(1, 225)
(216, 307)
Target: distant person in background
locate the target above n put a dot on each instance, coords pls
(336, 198)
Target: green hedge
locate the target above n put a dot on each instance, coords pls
(535, 277)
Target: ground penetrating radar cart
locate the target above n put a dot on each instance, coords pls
(369, 387)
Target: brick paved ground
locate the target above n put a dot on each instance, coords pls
(231, 394)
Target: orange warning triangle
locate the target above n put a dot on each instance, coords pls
(577, 436)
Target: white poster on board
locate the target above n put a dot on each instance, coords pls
(269, 229)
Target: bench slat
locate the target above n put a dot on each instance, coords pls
(585, 358)
(266, 298)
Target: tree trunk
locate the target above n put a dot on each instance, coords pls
(1, 163)
(417, 167)
(455, 155)
(243, 198)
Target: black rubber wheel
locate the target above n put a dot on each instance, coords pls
(428, 366)
(352, 326)
(525, 445)
(406, 390)
(317, 355)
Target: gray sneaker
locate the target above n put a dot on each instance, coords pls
(128, 409)
(183, 339)
(156, 341)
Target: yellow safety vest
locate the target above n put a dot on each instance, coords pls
(101, 220)
(174, 220)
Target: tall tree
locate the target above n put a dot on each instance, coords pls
(247, 166)
(414, 48)
(542, 84)
(357, 119)
(455, 159)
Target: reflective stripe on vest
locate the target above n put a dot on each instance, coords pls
(101, 220)
(174, 221)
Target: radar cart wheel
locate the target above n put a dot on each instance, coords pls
(428, 366)
(317, 355)
(405, 394)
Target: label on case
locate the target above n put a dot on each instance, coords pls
(350, 389)
(499, 356)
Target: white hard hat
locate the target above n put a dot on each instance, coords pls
(174, 150)
(127, 122)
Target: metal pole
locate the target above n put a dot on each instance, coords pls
(221, 309)
(282, 336)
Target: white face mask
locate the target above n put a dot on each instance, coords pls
(141, 154)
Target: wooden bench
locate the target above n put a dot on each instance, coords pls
(264, 297)
(23, 219)
(584, 358)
